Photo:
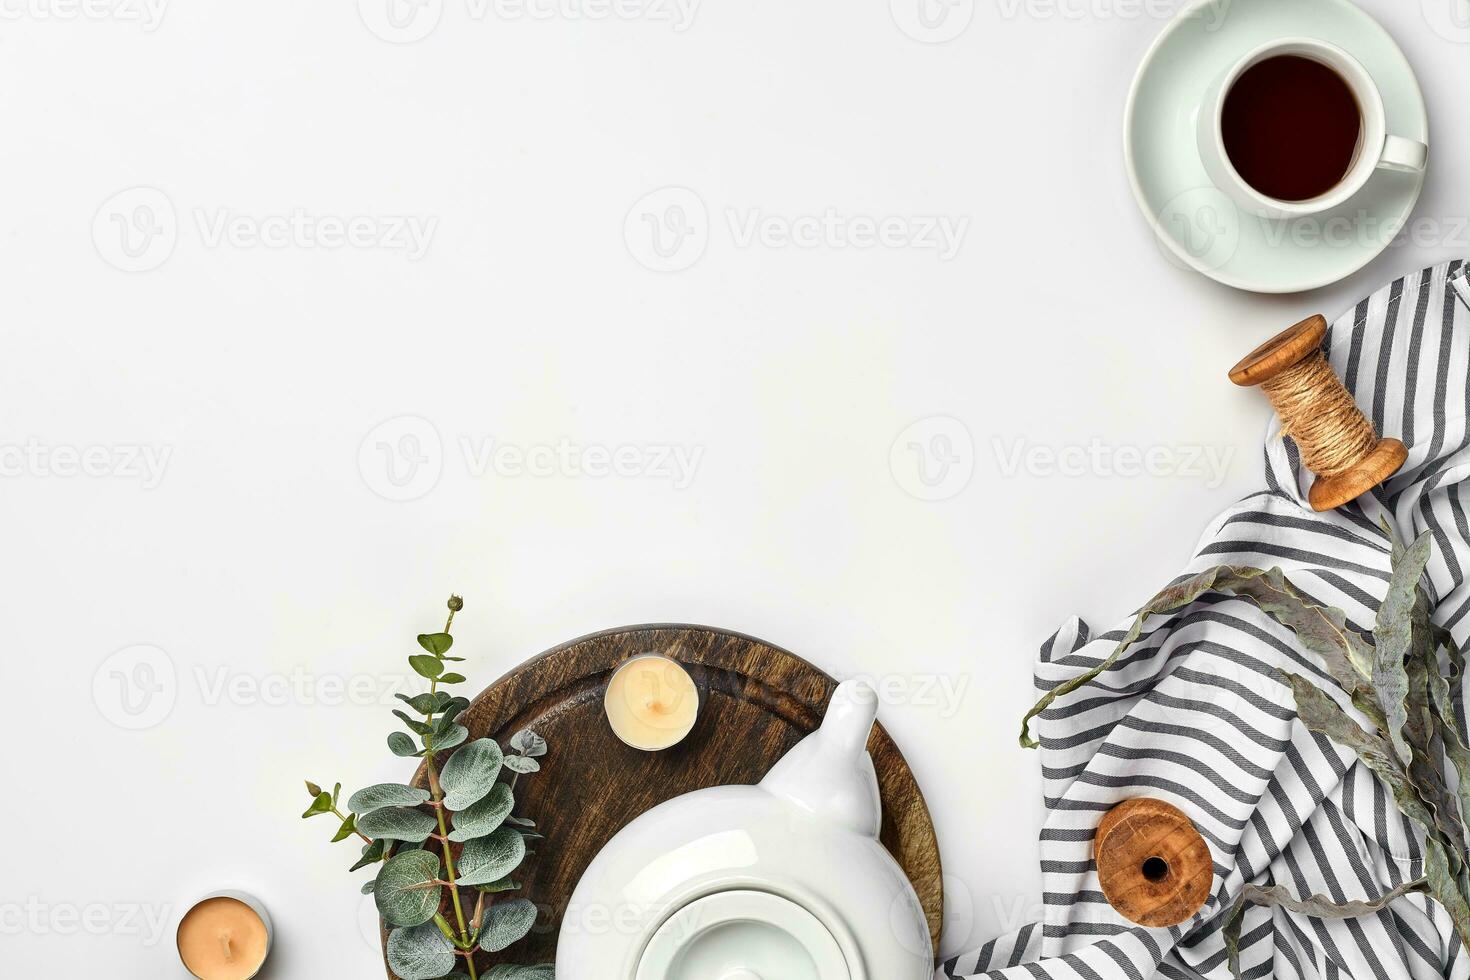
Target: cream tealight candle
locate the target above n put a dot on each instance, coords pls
(651, 702)
(225, 937)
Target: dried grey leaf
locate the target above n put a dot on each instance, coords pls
(1393, 637)
(1322, 629)
(1317, 906)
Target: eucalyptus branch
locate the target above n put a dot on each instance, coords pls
(408, 828)
(464, 933)
(436, 792)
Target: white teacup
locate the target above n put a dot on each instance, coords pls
(1376, 147)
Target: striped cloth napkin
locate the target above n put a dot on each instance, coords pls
(1193, 714)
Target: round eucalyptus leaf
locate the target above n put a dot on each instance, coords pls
(365, 801)
(510, 972)
(522, 764)
(490, 858)
(424, 704)
(397, 823)
(450, 737)
(436, 643)
(404, 895)
(527, 742)
(417, 727)
(401, 745)
(470, 773)
(369, 885)
(485, 816)
(506, 923)
(420, 953)
(426, 666)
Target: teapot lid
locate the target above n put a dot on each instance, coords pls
(743, 935)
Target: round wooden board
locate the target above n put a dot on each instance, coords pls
(757, 701)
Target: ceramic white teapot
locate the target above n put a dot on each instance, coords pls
(781, 881)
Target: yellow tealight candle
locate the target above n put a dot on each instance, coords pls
(225, 937)
(651, 702)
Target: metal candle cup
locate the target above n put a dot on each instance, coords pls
(651, 702)
(225, 936)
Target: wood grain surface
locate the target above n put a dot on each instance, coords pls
(1154, 867)
(756, 702)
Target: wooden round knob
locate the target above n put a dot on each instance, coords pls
(1291, 346)
(1154, 867)
(1383, 462)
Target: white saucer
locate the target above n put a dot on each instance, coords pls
(1198, 224)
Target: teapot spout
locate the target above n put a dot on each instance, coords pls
(829, 773)
(850, 717)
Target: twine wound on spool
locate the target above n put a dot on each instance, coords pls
(1337, 441)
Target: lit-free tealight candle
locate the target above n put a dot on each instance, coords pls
(651, 702)
(225, 937)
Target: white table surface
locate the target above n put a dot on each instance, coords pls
(262, 567)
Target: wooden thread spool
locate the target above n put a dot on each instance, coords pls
(1154, 867)
(1337, 441)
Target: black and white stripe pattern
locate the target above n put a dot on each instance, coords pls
(1193, 714)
